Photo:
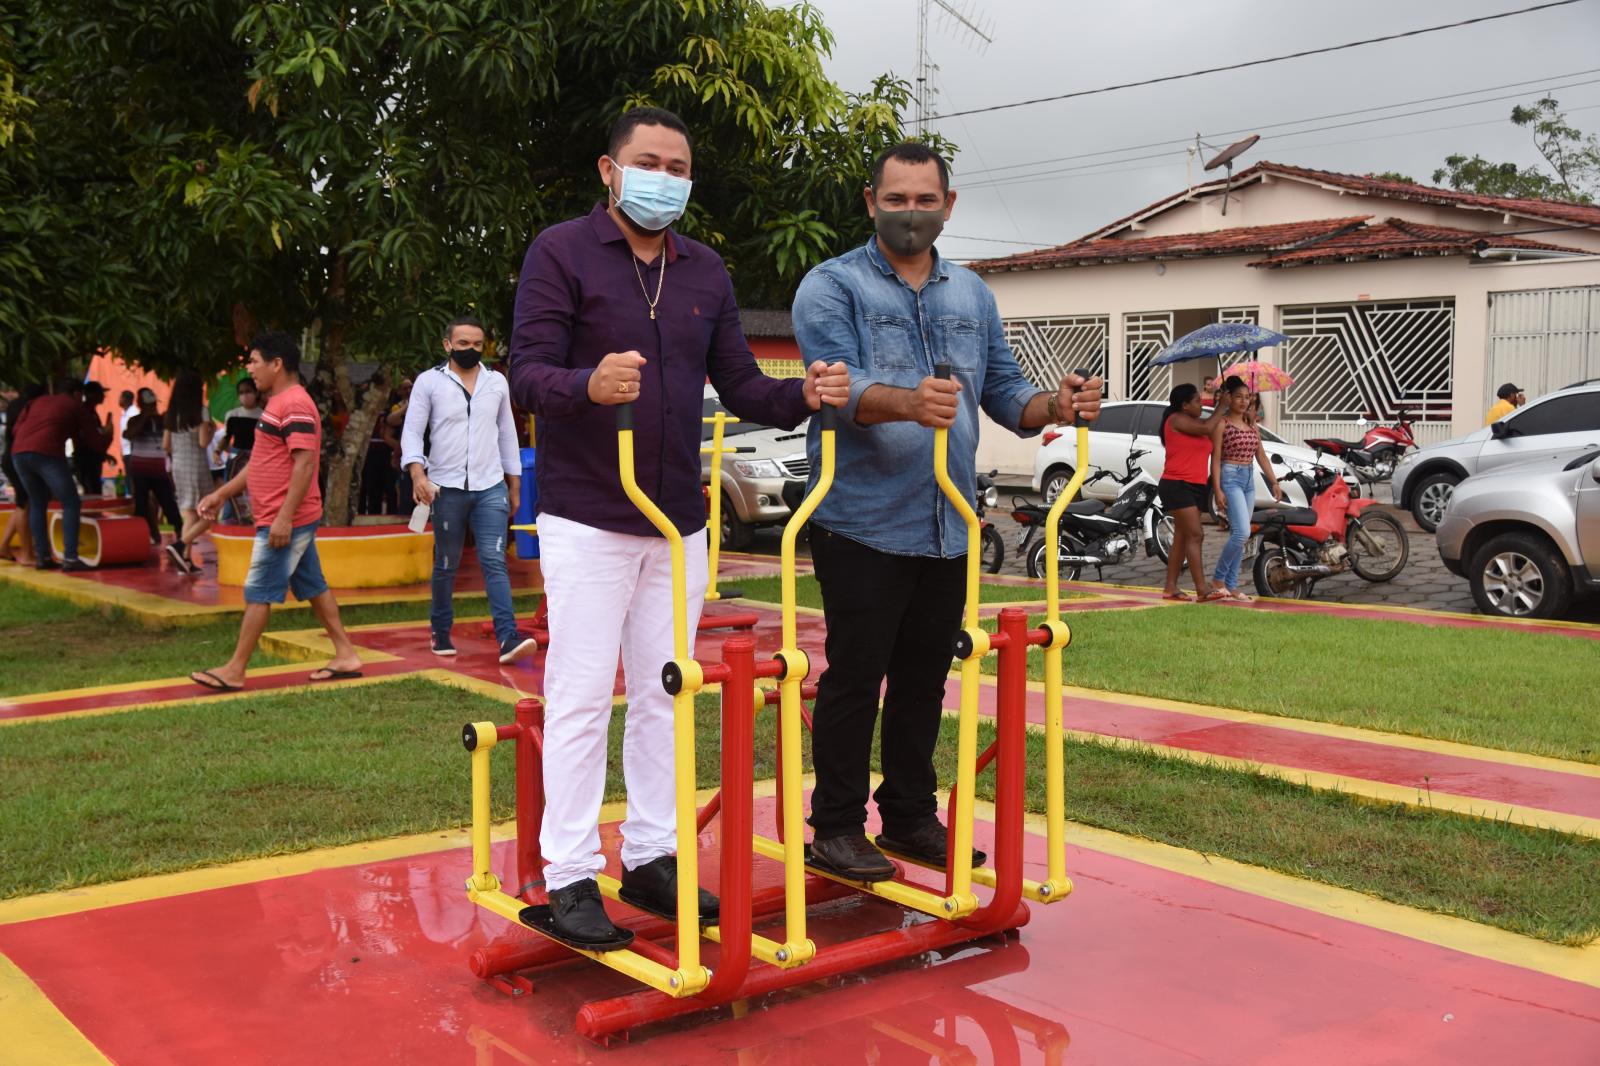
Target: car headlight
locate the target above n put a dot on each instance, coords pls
(758, 467)
(1408, 460)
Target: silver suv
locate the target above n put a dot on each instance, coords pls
(1565, 421)
(1527, 536)
(757, 463)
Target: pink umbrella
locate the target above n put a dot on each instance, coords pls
(1259, 376)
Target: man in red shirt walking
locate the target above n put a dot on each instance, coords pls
(282, 479)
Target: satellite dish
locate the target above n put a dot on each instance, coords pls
(1232, 152)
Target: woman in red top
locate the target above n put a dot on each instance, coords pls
(1184, 480)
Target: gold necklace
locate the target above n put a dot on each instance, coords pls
(659, 281)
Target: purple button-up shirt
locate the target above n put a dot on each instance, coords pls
(579, 299)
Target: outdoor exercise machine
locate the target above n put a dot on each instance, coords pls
(749, 964)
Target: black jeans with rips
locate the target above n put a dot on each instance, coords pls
(894, 617)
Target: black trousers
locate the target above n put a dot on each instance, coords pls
(894, 617)
(166, 496)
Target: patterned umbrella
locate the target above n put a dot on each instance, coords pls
(1218, 339)
(1260, 377)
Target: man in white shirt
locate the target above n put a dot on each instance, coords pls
(471, 474)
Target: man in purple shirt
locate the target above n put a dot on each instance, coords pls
(617, 308)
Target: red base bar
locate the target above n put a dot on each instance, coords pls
(606, 1017)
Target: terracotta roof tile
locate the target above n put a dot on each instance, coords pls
(1241, 240)
(1397, 238)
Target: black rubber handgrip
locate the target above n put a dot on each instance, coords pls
(1077, 419)
(625, 416)
(830, 417)
(941, 371)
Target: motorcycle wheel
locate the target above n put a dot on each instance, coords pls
(1272, 577)
(1378, 546)
(1036, 564)
(1164, 533)
(994, 550)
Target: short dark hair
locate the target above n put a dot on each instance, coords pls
(915, 153)
(246, 382)
(278, 345)
(126, 396)
(92, 388)
(622, 129)
(463, 320)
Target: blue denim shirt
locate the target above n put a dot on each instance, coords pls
(855, 309)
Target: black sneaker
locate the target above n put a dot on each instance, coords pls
(47, 564)
(180, 560)
(851, 856)
(653, 887)
(579, 914)
(440, 643)
(73, 566)
(927, 844)
(516, 647)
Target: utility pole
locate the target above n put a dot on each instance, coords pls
(969, 23)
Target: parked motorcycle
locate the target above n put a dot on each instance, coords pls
(1298, 546)
(994, 545)
(1374, 457)
(1096, 534)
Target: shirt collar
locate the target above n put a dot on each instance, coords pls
(607, 231)
(939, 272)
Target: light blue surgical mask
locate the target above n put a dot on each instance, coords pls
(654, 199)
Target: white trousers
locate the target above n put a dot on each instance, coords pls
(608, 592)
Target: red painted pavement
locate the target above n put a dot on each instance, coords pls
(1140, 965)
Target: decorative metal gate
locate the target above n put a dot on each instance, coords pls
(1144, 337)
(1350, 359)
(1543, 339)
(1046, 348)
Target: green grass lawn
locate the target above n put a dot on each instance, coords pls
(1516, 691)
(172, 788)
(50, 644)
(808, 593)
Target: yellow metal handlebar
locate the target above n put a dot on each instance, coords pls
(714, 526)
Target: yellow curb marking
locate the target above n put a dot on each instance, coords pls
(36, 1031)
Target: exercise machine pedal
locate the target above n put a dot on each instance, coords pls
(539, 919)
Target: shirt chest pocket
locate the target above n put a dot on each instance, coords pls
(960, 342)
(895, 344)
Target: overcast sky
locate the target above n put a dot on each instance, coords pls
(1044, 47)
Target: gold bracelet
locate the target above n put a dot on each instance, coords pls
(1052, 408)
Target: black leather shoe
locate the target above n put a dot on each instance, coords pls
(927, 844)
(851, 856)
(653, 887)
(579, 914)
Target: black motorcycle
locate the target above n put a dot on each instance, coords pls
(994, 545)
(1097, 534)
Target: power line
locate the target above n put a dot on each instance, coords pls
(1008, 179)
(1546, 81)
(996, 240)
(1255, 62)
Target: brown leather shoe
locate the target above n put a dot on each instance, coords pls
(852, 857)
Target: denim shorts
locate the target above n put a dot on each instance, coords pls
(293, 567)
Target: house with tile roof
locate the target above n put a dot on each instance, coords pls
(1393, 296)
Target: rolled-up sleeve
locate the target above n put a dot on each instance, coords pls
(1006, 392)
(742, 387)
(510, 455)
(541, 333)
(419, 409)
(825, 327)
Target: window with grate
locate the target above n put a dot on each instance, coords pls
(1047, 348)
(1347, 359)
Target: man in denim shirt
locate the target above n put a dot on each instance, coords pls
(888, 547)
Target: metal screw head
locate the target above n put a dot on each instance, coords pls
(672, 982)
(1044, 891)
(950, 905)
(783, 954)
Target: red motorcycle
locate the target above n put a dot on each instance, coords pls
(1298, 546)
(1373, 458)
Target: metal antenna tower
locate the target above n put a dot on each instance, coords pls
(967, 22)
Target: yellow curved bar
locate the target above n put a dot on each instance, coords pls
(691, 976)
(714, 528)
(798, 947)
(1057, 882)
(967, 722)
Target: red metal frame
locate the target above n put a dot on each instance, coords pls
(734, 976)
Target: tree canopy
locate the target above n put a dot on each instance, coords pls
(1572, 157)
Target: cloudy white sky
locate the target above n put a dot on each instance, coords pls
(1044, 47)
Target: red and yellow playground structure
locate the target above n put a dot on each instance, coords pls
(940, 907)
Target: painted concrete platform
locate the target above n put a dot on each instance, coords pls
(1144, 963)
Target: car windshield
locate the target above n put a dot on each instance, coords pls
(710, 407)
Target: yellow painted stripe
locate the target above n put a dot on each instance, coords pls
(35, 1031)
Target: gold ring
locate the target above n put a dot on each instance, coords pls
(622, 386)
